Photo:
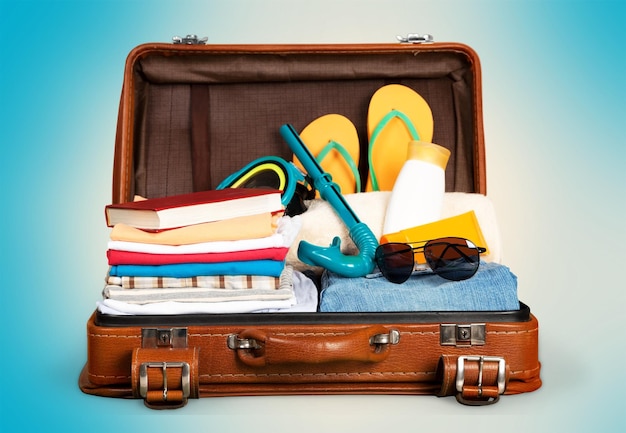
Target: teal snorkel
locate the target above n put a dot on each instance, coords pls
(331, 257)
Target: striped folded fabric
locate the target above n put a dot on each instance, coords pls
(242, 287)
(236, 282)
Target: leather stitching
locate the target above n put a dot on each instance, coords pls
(114, 336)
(525, 331)
(104, 376)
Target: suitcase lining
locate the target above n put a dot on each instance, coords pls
(203, 117)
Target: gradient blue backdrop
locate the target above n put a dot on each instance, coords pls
(554, 88)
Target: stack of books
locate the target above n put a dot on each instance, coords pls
(217, 251)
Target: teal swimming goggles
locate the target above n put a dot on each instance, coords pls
(276, 173)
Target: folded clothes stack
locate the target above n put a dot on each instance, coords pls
(233, 265)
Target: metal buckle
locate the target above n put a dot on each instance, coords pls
(184, 379)
(460, 378)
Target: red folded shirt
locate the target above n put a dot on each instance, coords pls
(117, 257)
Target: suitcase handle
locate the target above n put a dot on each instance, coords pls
(258, 348)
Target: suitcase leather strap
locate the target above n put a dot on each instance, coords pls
(165, 378)
(474, 380)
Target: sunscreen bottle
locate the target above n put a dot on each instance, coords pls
(417, 195)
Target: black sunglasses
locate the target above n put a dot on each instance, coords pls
(451, 258)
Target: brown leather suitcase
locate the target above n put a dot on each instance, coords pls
(191, 114)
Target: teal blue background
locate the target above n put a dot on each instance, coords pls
(554, 86)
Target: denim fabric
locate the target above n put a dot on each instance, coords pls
(492, 288)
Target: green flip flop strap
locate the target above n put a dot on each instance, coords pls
(346, 156)
(381, 125)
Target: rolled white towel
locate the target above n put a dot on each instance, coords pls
(320, 223)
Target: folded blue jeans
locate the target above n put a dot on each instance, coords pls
(492, 288)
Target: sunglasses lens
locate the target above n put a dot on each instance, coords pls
(454, 259)
(395, 261)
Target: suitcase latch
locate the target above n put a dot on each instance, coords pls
(189, 40)
(451, 334)
(414, 38)
(172, 338)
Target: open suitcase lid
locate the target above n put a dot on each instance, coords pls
(190, 115)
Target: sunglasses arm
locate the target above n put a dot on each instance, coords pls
(331, 257)
(455, 248)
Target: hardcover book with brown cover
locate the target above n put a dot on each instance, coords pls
(193, 208)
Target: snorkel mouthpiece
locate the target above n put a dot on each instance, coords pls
(331, 257)
(334, 260)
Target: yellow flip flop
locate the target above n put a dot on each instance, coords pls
(333, 141)
(396, 115)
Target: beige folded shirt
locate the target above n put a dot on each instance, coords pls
(248, 227)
